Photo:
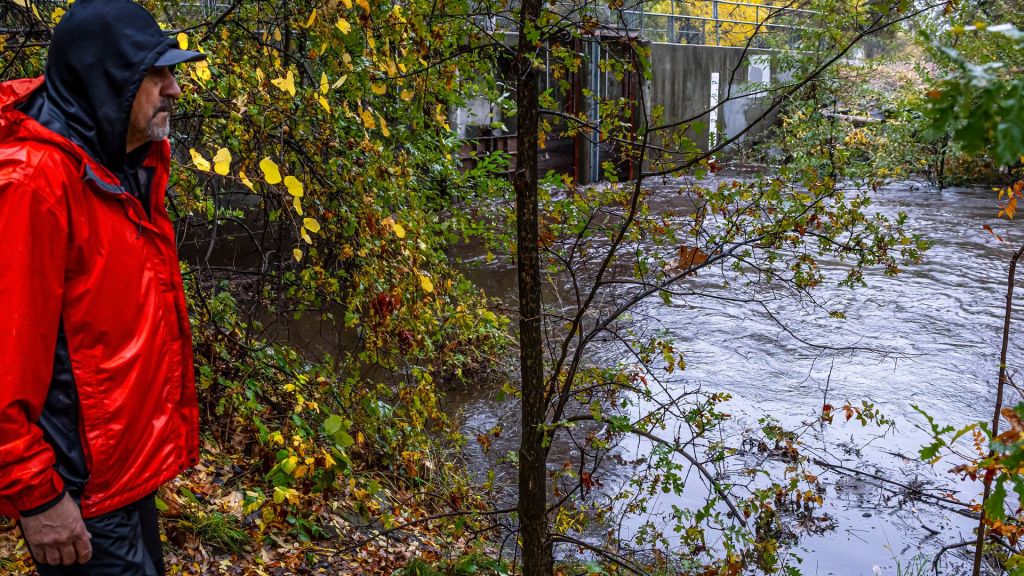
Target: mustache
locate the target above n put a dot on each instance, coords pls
(166, 105)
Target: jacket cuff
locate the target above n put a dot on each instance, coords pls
(41, 498)
(43, 507)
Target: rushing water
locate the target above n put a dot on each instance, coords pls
(941, 323)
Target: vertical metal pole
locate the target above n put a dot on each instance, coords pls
(672, 22)
(718, 25)
(547, 65)
(595, 83)
(757, 23)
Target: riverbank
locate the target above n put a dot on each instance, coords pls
(211, 527)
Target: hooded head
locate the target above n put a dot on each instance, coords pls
(99, 54)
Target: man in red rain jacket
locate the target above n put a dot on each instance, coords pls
(97, 398)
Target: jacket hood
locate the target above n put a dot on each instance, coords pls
(99, 54)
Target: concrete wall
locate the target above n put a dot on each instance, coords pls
(681, 83)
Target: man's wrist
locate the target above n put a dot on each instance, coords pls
(43, 507)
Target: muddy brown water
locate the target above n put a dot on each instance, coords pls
(941, 320)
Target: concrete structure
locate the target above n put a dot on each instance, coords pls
(711, 89)
(708, 93)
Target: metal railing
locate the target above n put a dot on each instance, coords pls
(718, 22)
(703, 22)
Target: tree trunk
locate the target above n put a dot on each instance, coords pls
(532, 505)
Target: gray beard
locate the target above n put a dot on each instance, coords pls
(157, 130)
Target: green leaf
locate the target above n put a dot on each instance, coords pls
(994, 506)
(930, 452)
(373, 487)
(343, 439)
(333, 424)
(665, 297)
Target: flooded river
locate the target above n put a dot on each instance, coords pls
(939, 322)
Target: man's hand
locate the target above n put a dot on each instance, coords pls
(58, 536)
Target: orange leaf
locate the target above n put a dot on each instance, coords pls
(691, 257)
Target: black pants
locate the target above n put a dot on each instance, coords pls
(125, 542)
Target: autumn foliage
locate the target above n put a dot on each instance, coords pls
(314, 184)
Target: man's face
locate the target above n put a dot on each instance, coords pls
(151, 111)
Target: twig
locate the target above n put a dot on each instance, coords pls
(385, 533)
(908, 488)
(946, 548)
(999, 404)
(700, 467)
(613, 557)
(213, 25)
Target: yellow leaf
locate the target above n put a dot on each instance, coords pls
(201, 163)
(57, 14)
(406, 95)
(297, 254)
(26, 4)
(347, 3)
(297, 204)
(379, 89)
(286, 84)
(344, 26)
(364, 5)
(312, 19)
(426, 284)
(260, 75)
(222, 162)
(270, 171)
(323, 102)
(324, 83)
(339, 82)
(328, 460)
(370, 41)
(294, 186)
(201, 70)
(277, 35)
(398, 230)
(305, 236)
(368, 120)
(245, 181)
(384, 127)
(311, 224)
(182, 40)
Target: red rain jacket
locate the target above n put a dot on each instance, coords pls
(77, 250)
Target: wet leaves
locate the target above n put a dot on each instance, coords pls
(213, 528)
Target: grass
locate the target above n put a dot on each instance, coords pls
(220, 531)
